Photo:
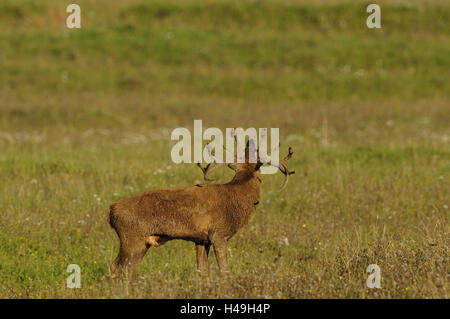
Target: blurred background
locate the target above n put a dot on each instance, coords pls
(86, 116)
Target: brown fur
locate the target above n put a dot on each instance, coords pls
(207, 214)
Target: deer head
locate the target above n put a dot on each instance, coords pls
(251, 164)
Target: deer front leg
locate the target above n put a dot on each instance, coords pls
(220, 249)
(202, 257)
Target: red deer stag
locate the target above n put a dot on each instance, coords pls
(206, 214)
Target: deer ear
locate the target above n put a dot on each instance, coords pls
(250, 151)
(250, 144)
(258, 166)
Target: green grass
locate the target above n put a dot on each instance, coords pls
(86, 116)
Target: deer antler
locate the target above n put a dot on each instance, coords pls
(286, 171)
(205, 171)
(208, 169)
(282, 167)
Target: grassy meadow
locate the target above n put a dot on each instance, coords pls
(86, 116)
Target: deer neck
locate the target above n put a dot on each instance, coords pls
(250, 183)
(246, 186)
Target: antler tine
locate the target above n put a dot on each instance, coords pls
(289, 155)
(287, 173)
(283, 168)
(205, 171)
(286, 170)
(212, 169)
(208, 169)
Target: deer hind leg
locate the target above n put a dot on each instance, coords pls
(220, 249)
(202, 257)
(130, 254)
